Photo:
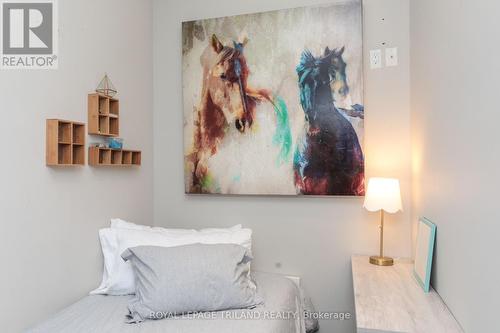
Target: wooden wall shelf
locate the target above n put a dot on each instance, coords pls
(65, 140)
(103, 115)
(65, 143)
(114, 157)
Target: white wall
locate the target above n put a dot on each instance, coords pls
(455, 121)
(49, 217)
(310, 237)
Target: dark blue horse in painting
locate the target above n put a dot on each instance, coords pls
(328, 160)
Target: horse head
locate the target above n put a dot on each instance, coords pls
(339, 84)
(226, 74)
(319, 77)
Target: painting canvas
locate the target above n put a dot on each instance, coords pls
(273, 102)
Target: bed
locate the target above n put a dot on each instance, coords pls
(281, 313)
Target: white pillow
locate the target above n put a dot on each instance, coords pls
(118, 277)
(119, 223)
(109, 244)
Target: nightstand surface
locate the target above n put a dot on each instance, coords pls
(389, 299)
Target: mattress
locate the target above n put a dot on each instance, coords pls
(281, 313)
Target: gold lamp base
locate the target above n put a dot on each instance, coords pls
(381, 261)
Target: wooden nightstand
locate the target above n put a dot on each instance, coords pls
(389, 299)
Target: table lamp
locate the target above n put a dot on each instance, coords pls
(383, 194)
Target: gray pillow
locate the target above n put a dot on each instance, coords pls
(189, 278)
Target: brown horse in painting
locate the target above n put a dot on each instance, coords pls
(226, 100)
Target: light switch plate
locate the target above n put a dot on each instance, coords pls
(375, 59)
(391, 56)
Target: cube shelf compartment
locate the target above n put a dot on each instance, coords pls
(127, 157)
(116, 157)
(64, 132)
(103, 115)
(78, 134)
(104, 157)
(78, 154)
(65, 143)
(63, 154)
(113, 157)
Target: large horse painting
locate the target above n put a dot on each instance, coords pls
(273, 102)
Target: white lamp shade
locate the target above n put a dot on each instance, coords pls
(383, 194)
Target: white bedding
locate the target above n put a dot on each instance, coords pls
(282, 312)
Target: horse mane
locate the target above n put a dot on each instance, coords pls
(307, 88)
(308, 85)
(209, 58)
